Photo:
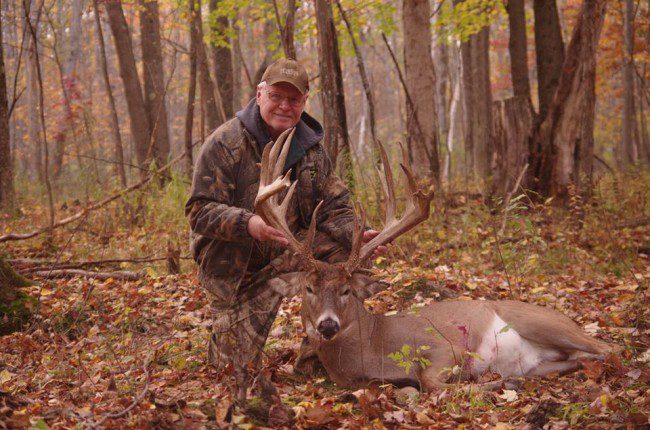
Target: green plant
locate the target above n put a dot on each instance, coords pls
(404, 359)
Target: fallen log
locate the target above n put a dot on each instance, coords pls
(71, 273)
(28, 265)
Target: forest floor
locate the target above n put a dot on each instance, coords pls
(132, 354)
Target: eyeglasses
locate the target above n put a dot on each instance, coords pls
(278, 98)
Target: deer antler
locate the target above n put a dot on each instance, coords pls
(267, 204)
(417, 210)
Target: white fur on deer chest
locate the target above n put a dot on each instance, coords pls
(504, 351)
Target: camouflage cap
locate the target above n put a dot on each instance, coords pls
(287, 70)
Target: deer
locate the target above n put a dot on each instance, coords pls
(426, 349)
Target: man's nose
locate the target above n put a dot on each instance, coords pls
(284, 103)
(328, 328)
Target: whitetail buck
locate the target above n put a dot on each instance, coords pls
(445, 340)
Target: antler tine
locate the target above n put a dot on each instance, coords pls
(353, 262)
(311, 233)
(387, 184)
(417, 208)
(272, 183)
(282, 148)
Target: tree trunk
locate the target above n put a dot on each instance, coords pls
(421, 123)
(364, 78)
(518, 48)
(114, 123)
(286, 29)
(511, 130)
(237, 66)
(16, 307)
(208, 99)
(477, 104)
(549, 49)
(70, 91)
(441, 66)
(191, 93)
(140, 128)
(32, 95)
(154, 81)
(629, 151)
(562, 146)
(336, 138)
(6, 166)
(222, 60)
(32, 30)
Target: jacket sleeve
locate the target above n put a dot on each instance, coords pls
(336, 217)
(210, 209)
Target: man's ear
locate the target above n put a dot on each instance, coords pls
(365, 286)
(287, 284)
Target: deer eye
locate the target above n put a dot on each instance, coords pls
(345, 292)
(310, 289)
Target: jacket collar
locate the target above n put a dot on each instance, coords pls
(308, 133)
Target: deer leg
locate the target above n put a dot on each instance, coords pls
(436, 374)
(561, 367)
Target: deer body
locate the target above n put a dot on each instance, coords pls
(507, 337)
(464, 338)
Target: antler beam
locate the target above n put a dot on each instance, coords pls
(272, 184)
(417, 211)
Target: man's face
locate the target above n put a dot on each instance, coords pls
(281, 105)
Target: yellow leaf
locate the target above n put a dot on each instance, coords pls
(604, 399)
(46, 291)
(145, 290)
(538, 290)
(5, 376)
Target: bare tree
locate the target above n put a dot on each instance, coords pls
(549, 48)
(421, 122)
(518, 47)
(41, 104)
(154, 81)
(286, 29)
(6, 166)
(191, 92)
(222, 60)
(140, 129)
(114, 123)
(237, 66)
(629, 151)
(477, 106)
(33, 132)
(69, 87)
(337, 141)
(563, 143)
(362, 73)
(214, 118)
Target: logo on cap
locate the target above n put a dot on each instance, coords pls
(289, 72)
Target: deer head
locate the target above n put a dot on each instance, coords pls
(331, 292)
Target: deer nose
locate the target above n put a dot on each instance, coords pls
(328, 328)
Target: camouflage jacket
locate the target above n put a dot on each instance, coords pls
(225, 183)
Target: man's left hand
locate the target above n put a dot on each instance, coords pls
(368, 235)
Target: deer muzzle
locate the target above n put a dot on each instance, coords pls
(328, 328)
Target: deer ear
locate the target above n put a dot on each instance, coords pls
(365, 286)
(287, 284)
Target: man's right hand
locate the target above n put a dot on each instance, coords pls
(259, 230)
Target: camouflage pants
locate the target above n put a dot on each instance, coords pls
(241, 326)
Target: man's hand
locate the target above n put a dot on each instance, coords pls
(368, 235)
(259, 230)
